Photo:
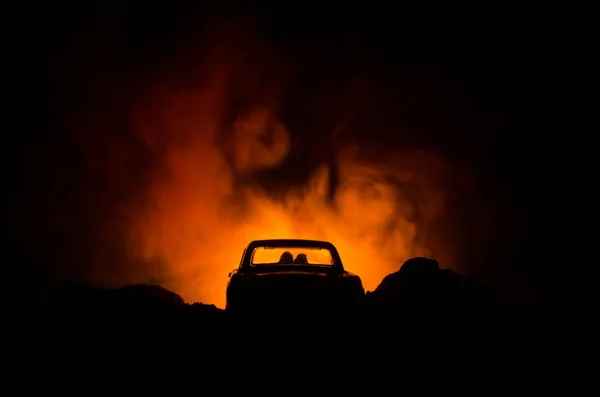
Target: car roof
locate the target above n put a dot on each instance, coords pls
(290, 243)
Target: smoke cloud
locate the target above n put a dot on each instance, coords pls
(169, 171)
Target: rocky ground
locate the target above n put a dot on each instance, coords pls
(417, 312)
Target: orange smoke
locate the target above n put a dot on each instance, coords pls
(198, 221)
(212, 129)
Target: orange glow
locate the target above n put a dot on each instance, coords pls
(199, 223)
(200, 210)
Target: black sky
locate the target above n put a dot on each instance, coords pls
(474, 84)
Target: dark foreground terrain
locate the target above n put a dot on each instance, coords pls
(420, 311)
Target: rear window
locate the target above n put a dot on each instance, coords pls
(290, 256)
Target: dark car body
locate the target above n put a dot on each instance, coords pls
(291, 285)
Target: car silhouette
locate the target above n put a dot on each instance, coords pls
(292, 274)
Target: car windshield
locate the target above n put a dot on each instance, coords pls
(291, 255)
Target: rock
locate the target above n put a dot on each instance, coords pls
(149, 294)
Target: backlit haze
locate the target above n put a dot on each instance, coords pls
(179, 177)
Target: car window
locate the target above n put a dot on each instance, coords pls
(290, 256)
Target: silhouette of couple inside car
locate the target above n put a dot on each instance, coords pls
(287, 257)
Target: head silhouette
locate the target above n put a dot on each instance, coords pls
(301, 258)
(286, 257)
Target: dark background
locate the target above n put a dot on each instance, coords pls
(479, 85)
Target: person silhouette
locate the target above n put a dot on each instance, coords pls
(286, 257)
(301, 259)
